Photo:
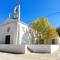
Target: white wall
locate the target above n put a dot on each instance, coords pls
(13, 48)
(43, 48)
(13, 32)
(19, 32)
(16, 48)
(54, 48)
(39, 48)
(25, 36)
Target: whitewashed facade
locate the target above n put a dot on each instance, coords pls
(16, 33)
(13, 31)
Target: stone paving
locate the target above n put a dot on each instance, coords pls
(30, 56)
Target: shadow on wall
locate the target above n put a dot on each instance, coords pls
(27, 38)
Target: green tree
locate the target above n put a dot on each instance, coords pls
(43, 30)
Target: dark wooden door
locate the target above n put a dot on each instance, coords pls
(7, 39)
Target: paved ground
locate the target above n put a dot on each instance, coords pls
(30, 56)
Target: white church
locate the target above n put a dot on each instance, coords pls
(15, 34)
(14, 31)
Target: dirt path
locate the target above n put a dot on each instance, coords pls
(30, 56)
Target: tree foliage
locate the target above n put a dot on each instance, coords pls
(43, 30)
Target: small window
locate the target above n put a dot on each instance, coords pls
(8, 29)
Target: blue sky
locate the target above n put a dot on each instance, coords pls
(32, 9)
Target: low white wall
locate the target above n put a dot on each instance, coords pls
(13, 48)
(24, 48)
(39, 48)
(43, 48)
(54, 48)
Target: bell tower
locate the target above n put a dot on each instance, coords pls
(17, 11)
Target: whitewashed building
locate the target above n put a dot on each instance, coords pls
(13, 31)
(16, 33)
